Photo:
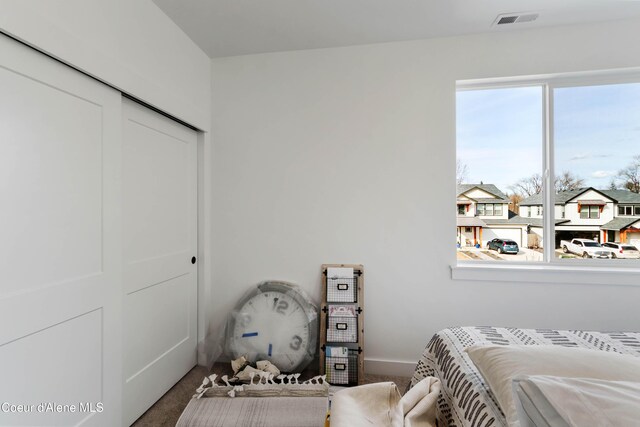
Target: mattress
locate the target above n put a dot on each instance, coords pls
(465, 399)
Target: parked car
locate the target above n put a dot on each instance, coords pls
(503, 246)
(586, 248)
(622, 250)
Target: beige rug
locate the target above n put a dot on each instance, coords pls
(167, 410)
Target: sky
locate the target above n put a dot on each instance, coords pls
(500, 133)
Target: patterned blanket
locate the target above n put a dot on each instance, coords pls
(465, 399)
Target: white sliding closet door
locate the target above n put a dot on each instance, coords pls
(160, 276)
(60, 243)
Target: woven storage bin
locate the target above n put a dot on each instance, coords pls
(337, 370)
(342, 324)
(342, 290)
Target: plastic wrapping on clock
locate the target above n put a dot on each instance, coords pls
(274, 321)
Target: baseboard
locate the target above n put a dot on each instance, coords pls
(389, 367)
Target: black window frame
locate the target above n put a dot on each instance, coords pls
(625, 208)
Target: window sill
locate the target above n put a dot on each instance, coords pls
(546, 273)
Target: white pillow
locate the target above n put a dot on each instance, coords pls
(559, 401)
(533, 407)
(499, 365)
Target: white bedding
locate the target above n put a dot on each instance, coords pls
(465, 399)
(549, 401)
(500, 365)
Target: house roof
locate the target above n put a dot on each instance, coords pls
(538, 222)
(563, 197)
(489, 188)
(619, 223)
(469, 221)
(520, 220)
(623, 196)
(601, 192)
(491, 200)
(592, 202)
(516, 220)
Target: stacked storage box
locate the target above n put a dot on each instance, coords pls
(341, 320)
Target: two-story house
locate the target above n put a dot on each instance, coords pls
(483, 214)
(602, 215)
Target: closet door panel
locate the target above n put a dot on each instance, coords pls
(60, 244)
(160, 280)
(53, 186)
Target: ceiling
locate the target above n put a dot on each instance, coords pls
(240, 27)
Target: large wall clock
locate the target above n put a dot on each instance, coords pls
(276, 322)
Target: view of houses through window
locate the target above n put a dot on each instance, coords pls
(595, 150)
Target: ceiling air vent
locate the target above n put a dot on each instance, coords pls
(515, 18)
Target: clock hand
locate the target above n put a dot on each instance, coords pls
(249, 334)
(270, 349)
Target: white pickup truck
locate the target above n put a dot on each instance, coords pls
(586, 248)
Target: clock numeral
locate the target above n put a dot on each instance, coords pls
(296, 343)
(244, 320)
(280, 306)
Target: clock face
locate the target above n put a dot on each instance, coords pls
(275, 323)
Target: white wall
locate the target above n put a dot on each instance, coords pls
(607, 214)
(132, 45)
(348, 155)
(558, 209)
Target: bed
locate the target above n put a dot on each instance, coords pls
(465, 399)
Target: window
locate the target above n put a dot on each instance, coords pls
(595, 140)
(589, 212)
(461, 209)
(625, 210)
(499, 156)
(490, 209)
(580, 134)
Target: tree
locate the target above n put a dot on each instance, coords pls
(462, 172)
(568, 181)
(630, 175)
(514, 202)
(527, 187)
(612, 184)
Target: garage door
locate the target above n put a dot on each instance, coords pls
(514, 234)
(634, 239)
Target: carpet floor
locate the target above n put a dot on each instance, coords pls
(166, 411)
